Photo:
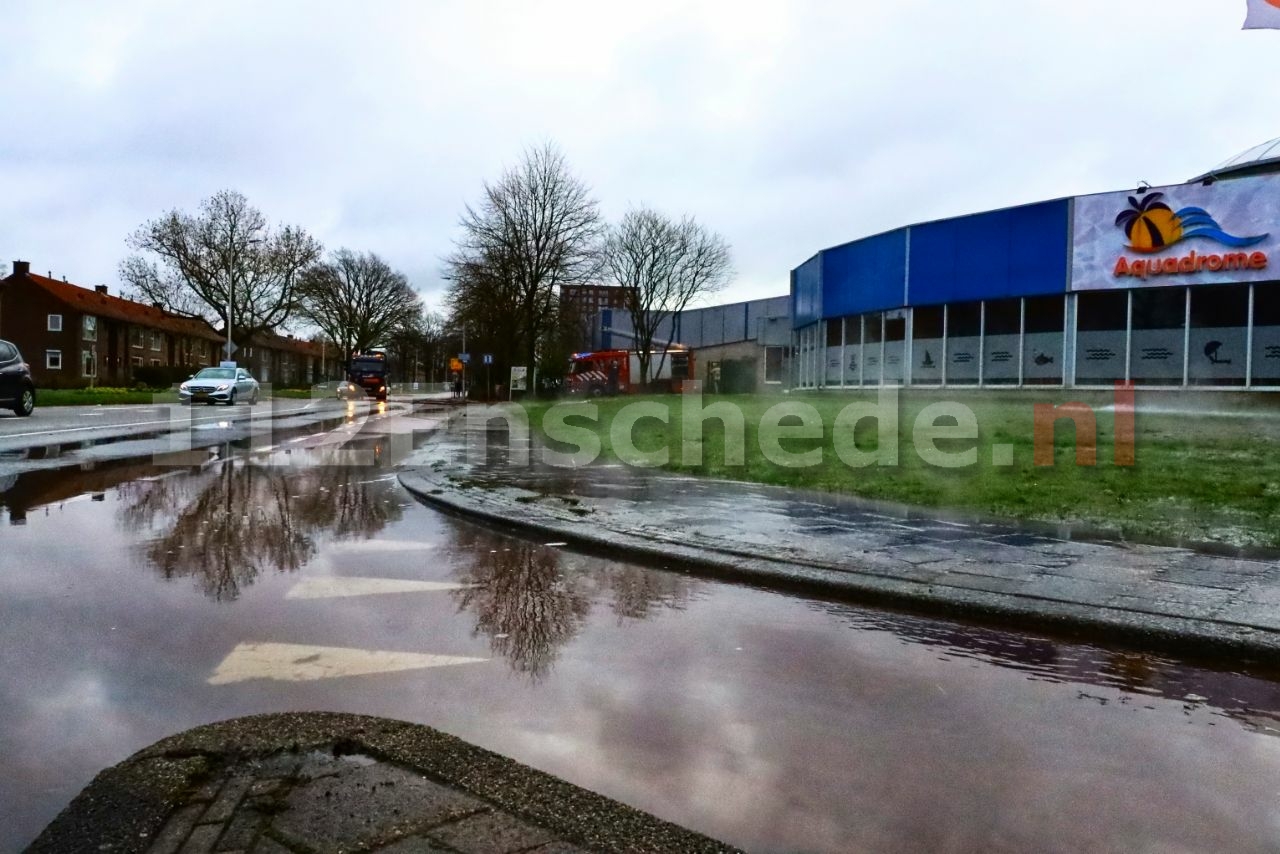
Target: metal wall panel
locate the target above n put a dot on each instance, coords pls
(866, 275)
(1019, 251)
(806, 292)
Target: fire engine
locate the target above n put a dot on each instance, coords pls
(368, 371)
(618, 371)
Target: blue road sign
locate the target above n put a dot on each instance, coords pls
(488, 358)
(464, 358)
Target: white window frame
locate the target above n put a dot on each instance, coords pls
(135, 361)
(89, 328)
(157, 342)
(50, 357)
(88, 363)
(51, 326)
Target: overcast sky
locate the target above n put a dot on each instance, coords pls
(786, 127)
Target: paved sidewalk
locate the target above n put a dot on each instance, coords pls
(320, 783)
(1147, 595)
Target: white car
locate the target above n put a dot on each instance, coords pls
(219, 385)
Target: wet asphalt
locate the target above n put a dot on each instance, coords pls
(139, 597)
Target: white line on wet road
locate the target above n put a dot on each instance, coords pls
(289, 662)
(336, 588)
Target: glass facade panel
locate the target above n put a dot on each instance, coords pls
(926, 345)
(1159, 315)
(1042, 342)
(895, 346)
(1266, 334)
(1219, 321)
(852, 349)
(1101, 319)
(1000, 345)
(964, 325)
(872, 333)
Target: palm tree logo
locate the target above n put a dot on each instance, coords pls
(1151, 225)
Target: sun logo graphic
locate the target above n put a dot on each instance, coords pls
(1151, 225)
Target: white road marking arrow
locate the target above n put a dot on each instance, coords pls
(290, 662)
(335, 588)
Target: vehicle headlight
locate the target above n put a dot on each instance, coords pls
(182, 387)
(224, 386)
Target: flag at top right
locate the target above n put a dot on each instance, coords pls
(1262, 15)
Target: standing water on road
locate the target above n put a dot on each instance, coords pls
(140, 600)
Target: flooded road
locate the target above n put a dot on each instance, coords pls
(137, 600)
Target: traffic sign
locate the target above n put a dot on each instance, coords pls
(464, 358)
(455, 364)
(488, 358)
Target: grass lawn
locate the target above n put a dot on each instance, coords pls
(101, 396)
(1198, 474)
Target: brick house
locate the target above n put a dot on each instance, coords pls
(284, 360)
(73, 336)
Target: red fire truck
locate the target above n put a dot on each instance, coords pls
(618, 371)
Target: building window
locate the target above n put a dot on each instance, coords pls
(773, 364)
(136, 361)
(155, 363)
(53, 360)
(90, 327)
(135, 337)
(89, 363)
(55, 323)
(155, 340)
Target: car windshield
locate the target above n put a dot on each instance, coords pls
(216, 374)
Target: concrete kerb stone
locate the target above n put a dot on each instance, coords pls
(126, 806)
(857, 580)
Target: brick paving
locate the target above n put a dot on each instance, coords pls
(318, 802)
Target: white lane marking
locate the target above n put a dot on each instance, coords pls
(380, 546)
(291, 662)
(336, 588)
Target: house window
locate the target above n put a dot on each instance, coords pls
(55, 323)
(155, 340)
(89, 363)
(53, 360)
(136, 361)
(155, 363)
(90, 324)
(135, 337)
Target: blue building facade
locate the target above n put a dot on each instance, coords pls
(1160, 286)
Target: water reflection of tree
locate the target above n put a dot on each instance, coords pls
(247, 516)
(525, 604)
(532, 600)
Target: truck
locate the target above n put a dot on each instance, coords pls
(604, 372)
(368, 371)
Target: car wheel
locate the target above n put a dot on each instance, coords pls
(231, 401)
(26, 403)
(253, 399)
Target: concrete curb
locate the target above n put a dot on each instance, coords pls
(510, 507)
(125, 806)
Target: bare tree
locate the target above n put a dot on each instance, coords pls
(224, 254)
(357, 300)
(535, 229)
(664, 265)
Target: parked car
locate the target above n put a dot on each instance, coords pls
(219, 385)
(17, 389)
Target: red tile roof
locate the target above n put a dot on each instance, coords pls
(116, 308)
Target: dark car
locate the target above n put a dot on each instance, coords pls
(17, 389)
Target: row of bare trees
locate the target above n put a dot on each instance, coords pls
(227, 264)
(538, 229)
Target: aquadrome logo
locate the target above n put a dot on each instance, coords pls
(1152, 226)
